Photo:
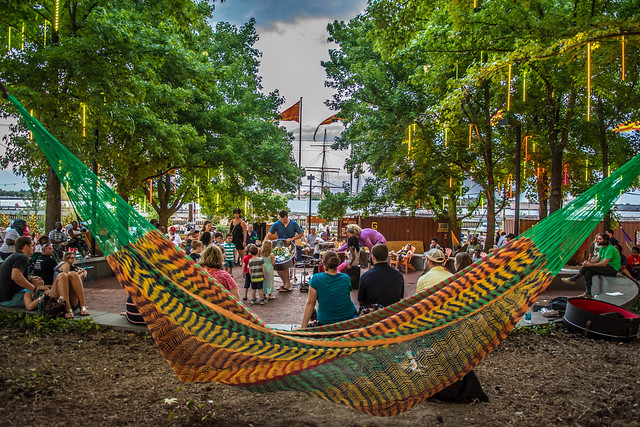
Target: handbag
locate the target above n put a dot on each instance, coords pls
(52, 307)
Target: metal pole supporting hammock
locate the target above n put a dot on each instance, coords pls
(383, 363)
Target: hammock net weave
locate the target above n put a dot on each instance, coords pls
(383, 363)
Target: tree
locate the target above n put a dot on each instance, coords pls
(148, 91)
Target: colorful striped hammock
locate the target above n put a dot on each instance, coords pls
(383, 363)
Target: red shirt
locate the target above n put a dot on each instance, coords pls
(245, 263)
(633, 261)
(223, 277)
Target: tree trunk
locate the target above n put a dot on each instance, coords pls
(491, 218)
(164, 207)
(543, 194)
(53, 211)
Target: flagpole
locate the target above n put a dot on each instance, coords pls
(300, 143)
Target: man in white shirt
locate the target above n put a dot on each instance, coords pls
(174, 237)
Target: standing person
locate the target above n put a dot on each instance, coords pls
(207, 226)
(245, 270)
(382, 285)
(367, 237)
(17, 230)
(607, 263)
(474, 245)
(332, 291)
(257, 272)
(252, 236)
(230, 253)
(352, 264)
(269, 261)
(238, 230)
(13, 272)
(288, 230)
(206, 238)
(196, 250)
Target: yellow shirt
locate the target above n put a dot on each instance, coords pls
(431, 278)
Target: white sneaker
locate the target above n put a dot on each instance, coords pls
(87, 256)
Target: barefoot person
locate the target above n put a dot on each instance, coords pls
(289, 230)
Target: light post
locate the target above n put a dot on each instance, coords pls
(310, 178)
(515, 124)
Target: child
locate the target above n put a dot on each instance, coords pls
(196, 250)
(245, 270)
(352, 264)
(230, 253)
(257, 272)
(269, 261)
(218, 237)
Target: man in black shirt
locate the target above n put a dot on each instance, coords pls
(382, 284)
(13, 271)
(45, 265)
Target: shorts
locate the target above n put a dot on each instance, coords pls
(247, 281)
(228, 263)
(256, 285)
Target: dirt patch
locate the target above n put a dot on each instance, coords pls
(115, 378)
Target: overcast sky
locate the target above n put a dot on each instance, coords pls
(293, 41)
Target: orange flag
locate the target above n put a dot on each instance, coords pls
(454, 240)
(291, 114)
(328, 121)
(627, 127)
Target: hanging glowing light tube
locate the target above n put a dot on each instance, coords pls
(56, 15)
(623, 58)
(470, 131)
(524, 87)
(586, 171)
(45, 35)
(84, 119)
(22, 37)
(150, 191)
(31, 133)
(9, 41)
(509, 90)
(588, 81)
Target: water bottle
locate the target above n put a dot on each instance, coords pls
(527, 318)
(40, 298)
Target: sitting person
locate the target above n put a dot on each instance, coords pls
(382, 285)
(8, 245)
(58, 239)
(407, 251)
(436, 274)
(477, 255)
(462, 261)
(196, 250)
(351, 266)
(14, 273)
(45, 266)
(212, 260)
(76, 239)
(42, 241)
(174, 237)
(69, 287)
(606, 263)
(332, 291)
(474, 245)
(633, 263)
(623, 265)
(66, 266)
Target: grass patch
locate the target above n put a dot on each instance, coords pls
(44, 325)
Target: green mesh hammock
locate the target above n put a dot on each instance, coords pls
(383, 363)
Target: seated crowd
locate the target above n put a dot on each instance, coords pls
(41, 268)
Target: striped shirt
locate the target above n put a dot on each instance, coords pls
(229, 249)
(255, 269)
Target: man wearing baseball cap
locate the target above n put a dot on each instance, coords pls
(174, 237)
(436, 274)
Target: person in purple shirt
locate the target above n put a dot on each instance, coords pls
(367, 237)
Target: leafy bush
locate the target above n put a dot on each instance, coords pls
(44, 325)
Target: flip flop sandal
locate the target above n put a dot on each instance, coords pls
(84, 311)
(284, 290)
(68, 314)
